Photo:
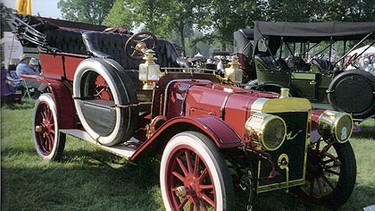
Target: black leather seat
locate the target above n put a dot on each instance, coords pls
(65, 40)
(112, 45)
(272, 63)
(323, 65)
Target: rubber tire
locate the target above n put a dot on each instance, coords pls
(202, 146)
(123, 92)
(346, 181)
(47, 118)
(353, 92)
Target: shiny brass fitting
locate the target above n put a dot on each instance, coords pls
(284, 92)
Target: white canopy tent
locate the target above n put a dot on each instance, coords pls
(370, 50)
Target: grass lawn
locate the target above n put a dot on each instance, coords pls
(88, 178)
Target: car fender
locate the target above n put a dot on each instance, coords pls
(62, 95)
(213, 127)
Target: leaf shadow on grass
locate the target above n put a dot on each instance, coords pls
(367, 130)
(361, 197)
(86, 180)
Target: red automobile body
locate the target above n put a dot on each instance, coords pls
(99, 98)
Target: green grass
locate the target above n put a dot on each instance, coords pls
(88, 178)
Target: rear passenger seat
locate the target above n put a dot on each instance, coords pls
(65, 40)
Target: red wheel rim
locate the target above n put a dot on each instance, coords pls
(189, 181)
(45, 133)
(324, 169)
(102, 90)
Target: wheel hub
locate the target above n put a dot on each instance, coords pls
(38, 128)
(181, 191)
(192, 186)
(315, 165)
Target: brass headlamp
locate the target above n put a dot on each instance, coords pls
(269, 130)
(339, 125)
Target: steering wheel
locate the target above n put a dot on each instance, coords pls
(136, 45)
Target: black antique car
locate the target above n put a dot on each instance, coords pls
(300, 56)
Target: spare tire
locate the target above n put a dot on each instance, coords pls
(353, 92)
(102, 95)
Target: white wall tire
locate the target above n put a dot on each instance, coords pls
(48, 140)
(214, 189)
(123, 120)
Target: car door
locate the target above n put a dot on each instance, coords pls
(305, 84)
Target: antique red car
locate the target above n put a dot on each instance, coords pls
(108, 88)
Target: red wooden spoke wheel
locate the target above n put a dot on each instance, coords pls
(48, 141)
(194, 176)
(330, 174)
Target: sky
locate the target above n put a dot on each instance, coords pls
(46, 8)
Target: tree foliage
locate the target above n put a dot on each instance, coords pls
(349, 10)
(222, 18)
(87, 11)
(120, 15)
(215, 20)
(163, 17)
(5, 11)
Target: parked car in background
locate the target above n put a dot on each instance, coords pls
(304, 58)
(126, 93)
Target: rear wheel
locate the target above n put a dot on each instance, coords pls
(330, 174)
(194, 176)
(49, 142)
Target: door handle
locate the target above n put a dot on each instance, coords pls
(313, 82)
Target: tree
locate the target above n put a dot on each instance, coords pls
(120, 15)
(87, 11)
(349, 10)
(293, 10)
(5, 12)
(225, 17)
(163, 17)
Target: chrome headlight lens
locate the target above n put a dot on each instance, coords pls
(267, 129)
(339, 125)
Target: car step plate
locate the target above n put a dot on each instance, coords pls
(119, 150)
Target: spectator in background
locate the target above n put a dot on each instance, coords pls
(23, 67)
(34, 64)
(30, 66)
(7, 89)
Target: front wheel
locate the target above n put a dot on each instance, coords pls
(330, 174)
(194, 176)
(49, 142)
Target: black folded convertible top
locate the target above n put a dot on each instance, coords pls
(314, 31)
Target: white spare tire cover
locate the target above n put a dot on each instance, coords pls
(107, 121)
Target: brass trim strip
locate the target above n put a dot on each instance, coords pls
(277, 186)
(281, 105)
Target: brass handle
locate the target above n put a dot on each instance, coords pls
(313, 82)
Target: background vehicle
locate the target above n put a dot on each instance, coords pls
(212, 136)
(292, 55)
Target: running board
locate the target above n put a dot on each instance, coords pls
(119, 150)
